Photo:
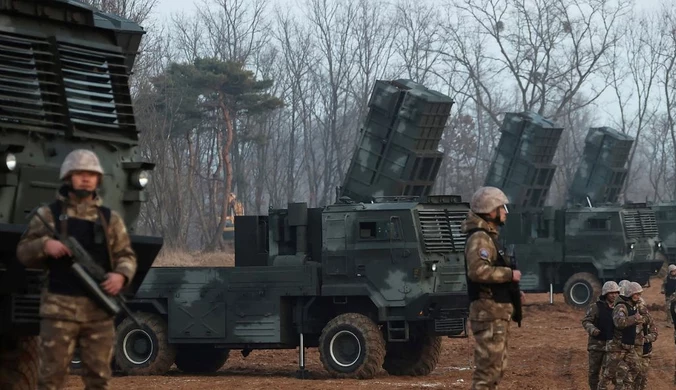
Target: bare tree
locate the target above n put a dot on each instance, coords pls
(418, 44)
(549, 49)
(636, 63)
(333, 25)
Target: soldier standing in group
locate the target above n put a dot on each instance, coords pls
(621, 362)
(598, 322)
(645, 338)
(69, 315)
(669, 291)
(489, 279)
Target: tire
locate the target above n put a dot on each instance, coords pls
(352, 346)
(201, 360)
(581, 290)
(416, 357)
(19, 362)
(145, 350)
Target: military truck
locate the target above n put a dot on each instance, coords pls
(593, 238)
(373, 280)
(665, 214)
(64, 70)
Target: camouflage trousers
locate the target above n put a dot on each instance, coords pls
(490, 353)
(641, 382)
(58, 340)
(595, 364)
(667, 305)
(621, 368)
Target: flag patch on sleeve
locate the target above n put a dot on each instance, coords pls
(483, 253)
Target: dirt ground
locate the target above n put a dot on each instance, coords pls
(547, 352)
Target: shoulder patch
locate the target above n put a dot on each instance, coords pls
(483, 253)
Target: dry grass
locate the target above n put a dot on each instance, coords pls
(174, 258)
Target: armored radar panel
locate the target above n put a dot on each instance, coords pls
(602, 171)
(574, 249)
(397, 154)
(64, 70)
(373, 280)
(522, 166)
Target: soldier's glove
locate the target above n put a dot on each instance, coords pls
(596, 332)
(638, 318)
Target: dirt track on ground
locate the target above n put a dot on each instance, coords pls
(547, 352)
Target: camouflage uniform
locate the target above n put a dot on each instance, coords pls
(621, 362)
(489, 316)
(68, 315)
(669, 291)
(644, 339)
(598, 323)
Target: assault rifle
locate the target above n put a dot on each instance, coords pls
(515, 288)
(90, 274)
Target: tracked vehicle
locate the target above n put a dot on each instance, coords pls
(593, 239)
(373, 280)
(64, 70)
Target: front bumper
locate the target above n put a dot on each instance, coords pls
(445, 313)
(638, 271)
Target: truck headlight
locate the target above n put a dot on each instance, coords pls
(10, 161)
(140, 179)
(434, 267)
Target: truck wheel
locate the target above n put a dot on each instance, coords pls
(416, 357)
(581, 289)
(19, 362)
(201, 360)
(145, 350)
(352, 346)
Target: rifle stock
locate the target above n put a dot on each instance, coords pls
(89, 273)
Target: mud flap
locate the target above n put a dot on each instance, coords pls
(146, 249)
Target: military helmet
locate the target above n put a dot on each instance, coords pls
(671, 267)
(487, 199)
(623, 283)
(609, 287)
(80, 160)
(631, 289)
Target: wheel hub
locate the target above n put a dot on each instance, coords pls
(137, 346)
(345, 348)
(580, 293)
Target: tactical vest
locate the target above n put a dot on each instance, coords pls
(499, 291)
(604, 321)
(91, 235)
(670, 286)
(628, 333)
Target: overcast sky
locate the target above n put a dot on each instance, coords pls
(168, 7)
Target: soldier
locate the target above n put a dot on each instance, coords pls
(621, 362)
(598, 322)
(644, 345)
(69, 315)
(489, 279)
(669, 290)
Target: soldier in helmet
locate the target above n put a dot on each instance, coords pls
(669, 291)
(489, 278)
(69, 315)
(598, 322)
(647, 335)
(621, 362)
